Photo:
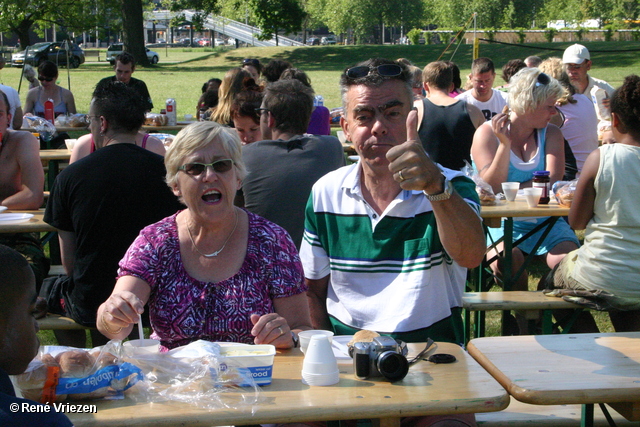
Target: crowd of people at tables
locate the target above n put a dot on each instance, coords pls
(252, 229)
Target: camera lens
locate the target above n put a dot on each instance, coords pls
(392, 366)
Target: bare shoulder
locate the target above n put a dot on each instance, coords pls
(476, 115)
(24, 142)
(554, 134)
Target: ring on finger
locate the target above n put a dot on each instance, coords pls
(400, 175)
(281, 331)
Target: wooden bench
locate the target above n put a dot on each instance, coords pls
(520, 414)
(54, 321)
(56, 270)
(528, 303)
(92, 54)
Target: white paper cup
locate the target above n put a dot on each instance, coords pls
(510, 190)
(70, 143)
(533, 196)
(146, 346)
(305, 337)
(188, 117)
(320, 367)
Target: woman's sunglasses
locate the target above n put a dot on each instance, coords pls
(46, 79)
(196, 169)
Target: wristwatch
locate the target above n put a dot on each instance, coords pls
(296, 340)
(445, 194)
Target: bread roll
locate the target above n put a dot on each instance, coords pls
(32, 382)
(363, 336)
(75, 363)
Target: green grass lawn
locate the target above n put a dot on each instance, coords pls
(181, 72)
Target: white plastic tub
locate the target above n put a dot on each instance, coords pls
(256, 359)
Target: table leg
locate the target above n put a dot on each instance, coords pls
(587, 415)
(54, 169)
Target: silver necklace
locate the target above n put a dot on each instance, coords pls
(213, 254)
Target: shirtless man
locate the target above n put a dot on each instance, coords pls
(21, 173)
(21, 184)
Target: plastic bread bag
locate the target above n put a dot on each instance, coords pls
(484, 190)
(564, 192)
(154, 119)
(59, 373)
(195, 373)
(46, 129)
(72, 120)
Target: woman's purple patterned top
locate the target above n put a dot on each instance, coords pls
(183, 309)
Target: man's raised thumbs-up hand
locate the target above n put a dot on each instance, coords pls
(410, 164)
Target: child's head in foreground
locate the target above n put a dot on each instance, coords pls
(18, 341)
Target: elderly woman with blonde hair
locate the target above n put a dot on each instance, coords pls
(212, 271)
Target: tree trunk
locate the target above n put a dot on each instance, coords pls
(133, 30)
(22, 31)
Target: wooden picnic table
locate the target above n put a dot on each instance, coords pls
(428, 389)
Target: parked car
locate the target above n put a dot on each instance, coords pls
(218, 42)
(55, 52)
(117, 48)
(204, 42)
(330, 39)
(313, 41)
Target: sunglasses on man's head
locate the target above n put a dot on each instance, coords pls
(251, 61)
(196, 169)
(384, 70)
(45, 79)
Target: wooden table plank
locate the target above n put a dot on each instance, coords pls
(428, 389)
(565, 369)
(35, 224)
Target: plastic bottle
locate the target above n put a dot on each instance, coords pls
(318, 101)
(48, 110)
(542, 179)
(598, 95)
(172, 116)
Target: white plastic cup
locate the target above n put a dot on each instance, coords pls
(70, 143)
(533, 196)
(305, 337)
(320, 367)
(510, 190)
(146, 346)
(188, 117)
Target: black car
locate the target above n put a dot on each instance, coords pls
(55, 52)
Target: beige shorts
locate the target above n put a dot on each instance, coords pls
(562, 283)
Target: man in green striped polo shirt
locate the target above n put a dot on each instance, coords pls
(388, 240)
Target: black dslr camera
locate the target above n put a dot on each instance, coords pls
(383, 357)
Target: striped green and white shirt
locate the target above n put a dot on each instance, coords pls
(389, 272)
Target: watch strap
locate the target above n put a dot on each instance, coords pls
(445, 194)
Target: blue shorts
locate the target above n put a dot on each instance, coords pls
(561, 232)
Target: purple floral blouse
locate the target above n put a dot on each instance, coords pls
(183, 309)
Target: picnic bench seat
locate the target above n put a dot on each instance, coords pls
(92, 54)
(56, 270)
(529, 303)
(520, 414)
(57, 322)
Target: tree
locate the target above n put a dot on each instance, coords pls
(20, 16)
(133, 30)
(274, 15)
